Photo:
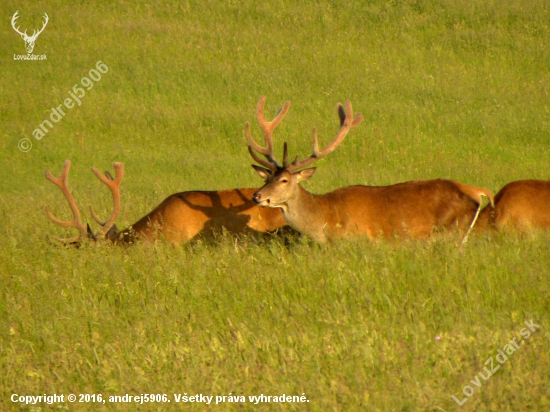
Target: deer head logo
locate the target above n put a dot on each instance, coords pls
(29, 40)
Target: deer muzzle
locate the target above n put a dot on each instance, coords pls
(259, 199)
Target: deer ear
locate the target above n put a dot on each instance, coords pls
(305, 174)
(264, 173)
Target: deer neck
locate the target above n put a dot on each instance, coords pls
(304, 213)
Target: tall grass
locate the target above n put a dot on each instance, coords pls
(451, 89)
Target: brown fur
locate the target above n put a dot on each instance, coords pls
(188, 215)
(411, 209)
(179, 218)
(522, 205)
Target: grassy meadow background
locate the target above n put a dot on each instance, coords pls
(453, 89)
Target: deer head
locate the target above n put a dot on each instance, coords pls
(29, 40)
(282, 180)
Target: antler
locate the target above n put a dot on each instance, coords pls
(15, 17)
(346, 123)
(46, 20)
(35, 33)
(267, 128)
(114, 186)
(62, 183)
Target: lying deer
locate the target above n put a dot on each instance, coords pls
(521, 205)
(411, 209)
(179, 218)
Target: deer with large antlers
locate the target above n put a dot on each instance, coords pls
(29, 40)
(179, 218)
(521, 205)
(107, 226)
(411, 209)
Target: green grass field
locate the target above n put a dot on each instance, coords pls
(453, 89)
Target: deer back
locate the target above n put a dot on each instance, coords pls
(410, 209)
(188, 215)
(523, 205)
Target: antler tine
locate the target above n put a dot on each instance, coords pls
(92, 212)
(343, 117)
(46, 20)
(267, 129)
(252, 143)
(347, 121)
(62, 183)
(114, 187)
(259, 160)
(13, 19)
(286, 163)
(96, 217)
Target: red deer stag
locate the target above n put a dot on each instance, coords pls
(411, 209)
(179, 218)
(522, 205)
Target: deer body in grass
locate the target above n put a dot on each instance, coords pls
(521, 205)
(185, 216)
(179, 218)
(411, 209)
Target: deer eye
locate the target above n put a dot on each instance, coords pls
(284, 180)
